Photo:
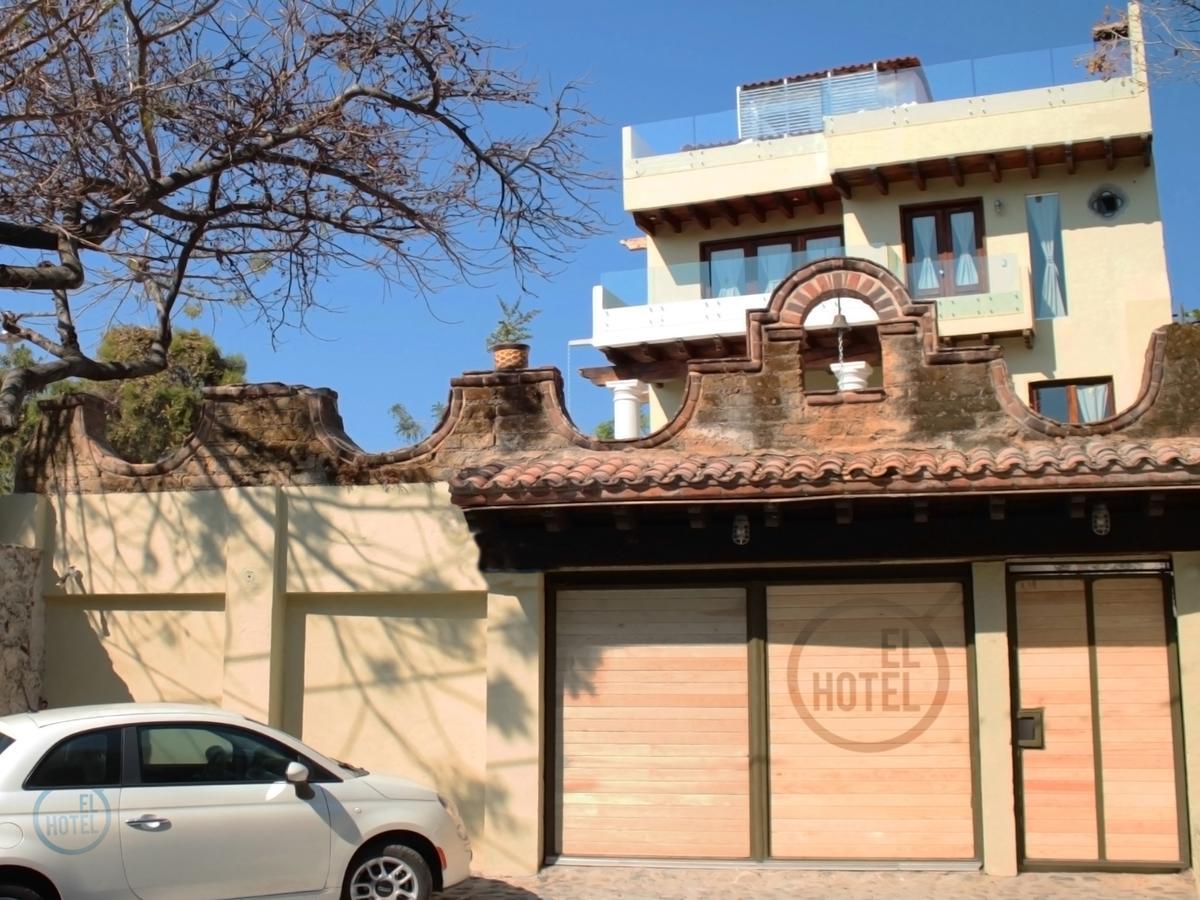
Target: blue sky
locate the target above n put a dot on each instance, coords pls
(640, 62)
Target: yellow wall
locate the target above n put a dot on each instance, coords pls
(355, 617)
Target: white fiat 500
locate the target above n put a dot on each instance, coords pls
(175, 802)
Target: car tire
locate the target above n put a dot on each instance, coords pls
(401, 868)
(19, 892)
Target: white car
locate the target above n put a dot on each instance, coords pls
(177, 802)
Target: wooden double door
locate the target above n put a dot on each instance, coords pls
(823, 721)
(1097, 725)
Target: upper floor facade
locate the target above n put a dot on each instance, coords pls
(1015, 196)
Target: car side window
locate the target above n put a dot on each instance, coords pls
(92, 759)
(213, 754)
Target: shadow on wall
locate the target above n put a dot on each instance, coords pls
(396, 684)
(117, 649)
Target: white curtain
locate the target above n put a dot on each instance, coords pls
(775, 263)
(1093, 401)
(1045, 240)
(924, 264)
(962, 232)
(727, 272)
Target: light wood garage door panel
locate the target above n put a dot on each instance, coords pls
(869, 722)
(1058, 780)
(653, 729)
(1136, 731)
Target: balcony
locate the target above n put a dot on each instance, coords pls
(817, 141)
(693, 301)
(792, 107)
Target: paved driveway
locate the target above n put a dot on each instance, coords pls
(612, 883)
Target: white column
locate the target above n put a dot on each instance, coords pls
(628, 396)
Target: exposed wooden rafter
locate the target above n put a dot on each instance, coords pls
(644, 222)
(1148, 151)
(917, 175)
(1069, 156)
(880, 180)
(842, 185)
(815, 199)
(700, 216)
(1031, 162)
(994, 167)
(955, 170)
(1110, 160)
(786, 204)
(671, 219)
(756, 209)
(728, 211)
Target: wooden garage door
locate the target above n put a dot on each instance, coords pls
(1099, 783)
(653, 731)
(870, 718)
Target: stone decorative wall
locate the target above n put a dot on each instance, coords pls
(21, 614)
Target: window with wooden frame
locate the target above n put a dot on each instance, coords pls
(943, 248)
(757, 265)
(1078, 402)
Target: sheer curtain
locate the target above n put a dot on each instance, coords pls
(1093, 401)
(962, 233)
(727, 273)
(822, 248)
(1045, 246)
(924, 264)
(775, 263)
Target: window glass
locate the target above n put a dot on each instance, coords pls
(822, 248)
(925, 274)
(5, 742)
(962, 235)
(84, 760)
(1052, 402)
(184, 754)
(728, 272)
(775, 263)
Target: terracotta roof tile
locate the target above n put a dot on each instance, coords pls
(607, 475)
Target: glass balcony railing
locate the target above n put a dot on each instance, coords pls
(975, 295)
(807, 103)
(753, 276)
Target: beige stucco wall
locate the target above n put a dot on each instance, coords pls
(355, 617)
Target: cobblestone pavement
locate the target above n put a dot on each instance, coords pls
(611, 883)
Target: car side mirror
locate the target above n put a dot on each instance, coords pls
(296, 773)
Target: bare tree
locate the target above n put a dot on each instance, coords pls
(184, 152)
(1171, 34)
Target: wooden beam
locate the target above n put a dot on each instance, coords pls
(1069, 153)
(994, 167)
(697, 517)
(842, 185)
(772, 515)
(649, 352)
(1110, 161)
(554, 519)
(880, 180)
(786, 204)
(815, 199)
(1148, 150)
(647, 372)
(671, 219)
(728, 211)
(1156, 505)
(843, 512)
(921, 511)
(955, 170)
(917, 175)
(1031, 162)
(1078, 506)
(996, 509)
(623, 519)
(676, 350)
(721, 346)
(700, 216)
(756, 209)
(644, 222)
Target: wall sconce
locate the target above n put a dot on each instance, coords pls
(1101, 520)
(998, 205)
(741, 530)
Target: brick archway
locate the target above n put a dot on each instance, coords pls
(800, 293)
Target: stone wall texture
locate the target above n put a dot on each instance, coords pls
(21, 612)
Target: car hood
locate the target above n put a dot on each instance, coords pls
(398, 788)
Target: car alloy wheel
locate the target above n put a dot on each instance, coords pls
(393, 873)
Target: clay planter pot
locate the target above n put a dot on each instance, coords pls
(510, 356)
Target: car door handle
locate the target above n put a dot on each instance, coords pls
(149, 823)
